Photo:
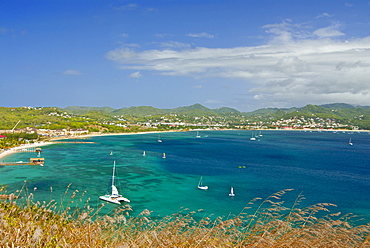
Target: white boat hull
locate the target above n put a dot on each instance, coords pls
(114, 199)
(203, 187)
(232, 192)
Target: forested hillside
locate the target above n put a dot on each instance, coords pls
(98, 118)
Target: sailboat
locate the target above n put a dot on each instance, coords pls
(111, 153)
(114, 197)
(200, 184)
(144, 153)
(164, 155)
(159, 138)
(253, 137)
(198, 136)
(232, 192)
(350, 142)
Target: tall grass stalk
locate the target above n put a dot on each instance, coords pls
(26, 223)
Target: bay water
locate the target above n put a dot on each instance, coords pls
(322, 166)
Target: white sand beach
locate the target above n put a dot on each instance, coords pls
(38, 144)
(25, 146)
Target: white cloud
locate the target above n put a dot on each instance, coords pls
(136, 75)
(72, 72)
(331, 31)
(296, 67)
(324, 15)
(131, 6)
(163, 35)
(174, 44)
(201, 35)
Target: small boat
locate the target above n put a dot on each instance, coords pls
(114, 197)
(350, 142)
(164, 155)
(198, 136)
(232, 192)
(200, 184)
(144, 153)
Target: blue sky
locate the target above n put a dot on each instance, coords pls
(244, 54)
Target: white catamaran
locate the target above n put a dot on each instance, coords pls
(114, 197)
(200, 184)
(232, 192)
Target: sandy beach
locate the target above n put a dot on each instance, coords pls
(12, 150)
(25, 146)
(38, 144)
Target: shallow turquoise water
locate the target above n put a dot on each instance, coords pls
(322, 165)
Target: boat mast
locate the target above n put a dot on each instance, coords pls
(114, 167)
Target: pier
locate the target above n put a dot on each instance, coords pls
(30, 149)
(33, 161)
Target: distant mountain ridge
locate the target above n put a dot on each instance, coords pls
(79, 110)
(333, 110)
(141, 111)
(101, 118)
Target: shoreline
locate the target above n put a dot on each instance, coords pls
(38, 144)
(15, 149)
(23, 146)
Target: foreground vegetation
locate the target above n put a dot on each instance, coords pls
(262, 223)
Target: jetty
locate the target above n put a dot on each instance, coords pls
(33, 161)
(29, 149)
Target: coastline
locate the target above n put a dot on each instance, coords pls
(23, 146)
(12, 150)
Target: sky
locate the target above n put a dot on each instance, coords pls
(243, 54)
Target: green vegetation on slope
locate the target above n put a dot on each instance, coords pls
(106, 119)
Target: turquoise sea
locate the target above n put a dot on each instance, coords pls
(322, 165)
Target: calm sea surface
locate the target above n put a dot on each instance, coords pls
(322, 165)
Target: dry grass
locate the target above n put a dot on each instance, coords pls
(29, 224)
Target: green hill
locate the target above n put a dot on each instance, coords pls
(138, 111)
(193, 110)
(225, 110)
(77, 117)
(79, 110)
(337, 106)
